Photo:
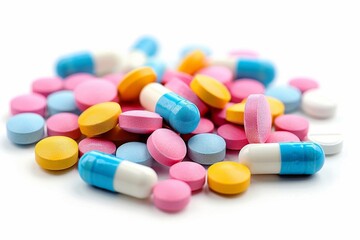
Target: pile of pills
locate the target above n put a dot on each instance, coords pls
(118, 115)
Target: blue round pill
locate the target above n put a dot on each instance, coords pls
(206, 148)
(25, 128)
(62, 101)
(158, 66)
(136, 152)
(290, 96)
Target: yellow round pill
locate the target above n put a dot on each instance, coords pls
(99, 118)
(134, 81)
(56, 153)
(235, 113)
(277, 108)
(211, 91)
(193, 62)
(228, 177)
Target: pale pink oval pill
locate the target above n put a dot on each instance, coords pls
(94, 91)
(140, 121)
(28, 103)
(282, 136)
(98, 144)
(171, 74)
(218, 116)
(46, 86)
(303, 84)
(191, 173)
(233, 135)
(114, 78)
(243, 54)
(171, 195)
(295, 124)
(220, 73)
(241, 89)
(71, 82)
(204, 126)
(63, 124)
(166, 147)
(257, 118)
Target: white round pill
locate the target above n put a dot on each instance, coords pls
(331, 143)
(318, 104)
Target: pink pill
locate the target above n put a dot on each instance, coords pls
(243, 54)
(282, 136)
(233, 135)
(182, 89)
(94, 91)
(241, 89)
(128, 106)
(292, 123)
(171, 74)
(71, 82)
(303, 84)
(28, 103)
(166, 147)
(189, 172)
(218, 116)
(99, 144)
(46, 86)
(205, 126)
(114, 78)
(140, 121)
(63, 124)
(220, 73)
(171, 195)
(257, 119)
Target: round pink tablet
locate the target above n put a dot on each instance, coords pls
(295, 124)
(140, 121)
(183, 90)
(99, 144)
(28, 103)
(171, 195)
(46, 86)
(94, 91)
(166, 147)
(218, 116)
(71, 82)
(243, 54)
(303, 84)
(220, 73)
(114, 78)
(233, 135)
(282, 136)
(63, 124)
(170, 74)
(257, 119)
(191, 173)
(128, 106)
(241, 89)
(205, 126)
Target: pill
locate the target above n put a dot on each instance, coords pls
(257, 119)
(241, 89)
(318, 104)
(158, 66)
(235, 113)
(63, 124)
(114, 78)
(189, 172)
(220, 73)
(99, 144)
(239, 53)
(47, 85)
(99, 118)
(28, 103)
(120, 136)
(206, 148)
(233, 135)
(25, 128)
(295, 124)
(73, 80)
(193, 62)
(228, 177)
(303, 84)
(171, 74)
(94, 91)
(288, 95)
(282, 136)
(205, 126)
(187, 49)
(218, 116)
(108, 172)
(140, 121)
(166, 147)
(210, 91)
(61, 101)
(148, 45)
(136, 152)
(128, 106)
(277, 108)
(181, 114)
(171, 195)
(331, 143)
(56, 153)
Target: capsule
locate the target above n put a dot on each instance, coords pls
(117, 175)
(181, 114)
(300, 158)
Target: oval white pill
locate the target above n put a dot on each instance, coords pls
(331, 143)
(318, 104)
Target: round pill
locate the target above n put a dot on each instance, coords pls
(282, 136)
(61, 101)
(136, 152)
(277, 108)
(228, 177)
(166, 147)
(99, 118)
(220, 73)
(192, 62)
(318, 104)
(205, 126)
(331, 143)
(288, 95)
(189, 172)
(72, 81)
(25, 128)
(241, 89)
(297, 125)
(99, 144)
(211, 91)
(28, 103)
(120, 136)
(171, 195)
(171, 74)
(257, 119)
(114, 78)
(233, 135)
(218, 116)
(56, 153)
(303, 84)
(63, 124)
(140, 121)
(45, 86)
(206, 148)
(235, 113)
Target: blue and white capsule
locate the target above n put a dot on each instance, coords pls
(182, 115)
(300, 158)
(117, 175)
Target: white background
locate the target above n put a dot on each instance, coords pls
(319, 39)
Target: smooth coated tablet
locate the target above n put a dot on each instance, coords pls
(242, 88)
(205, 126)
(47, 85)
(234, 136)
(28, 103)
(282, 136)
(136, 152)
(303, 84)
(295, 124)
(235, 113)
(331, 143)
(63, 124)
(189, 172)
(98, 144)
(61, 101)
(73, 80)
(318, 104)
(192, 62)
(140, 121)
(114, 78)
(220, 73)
(288, 95)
